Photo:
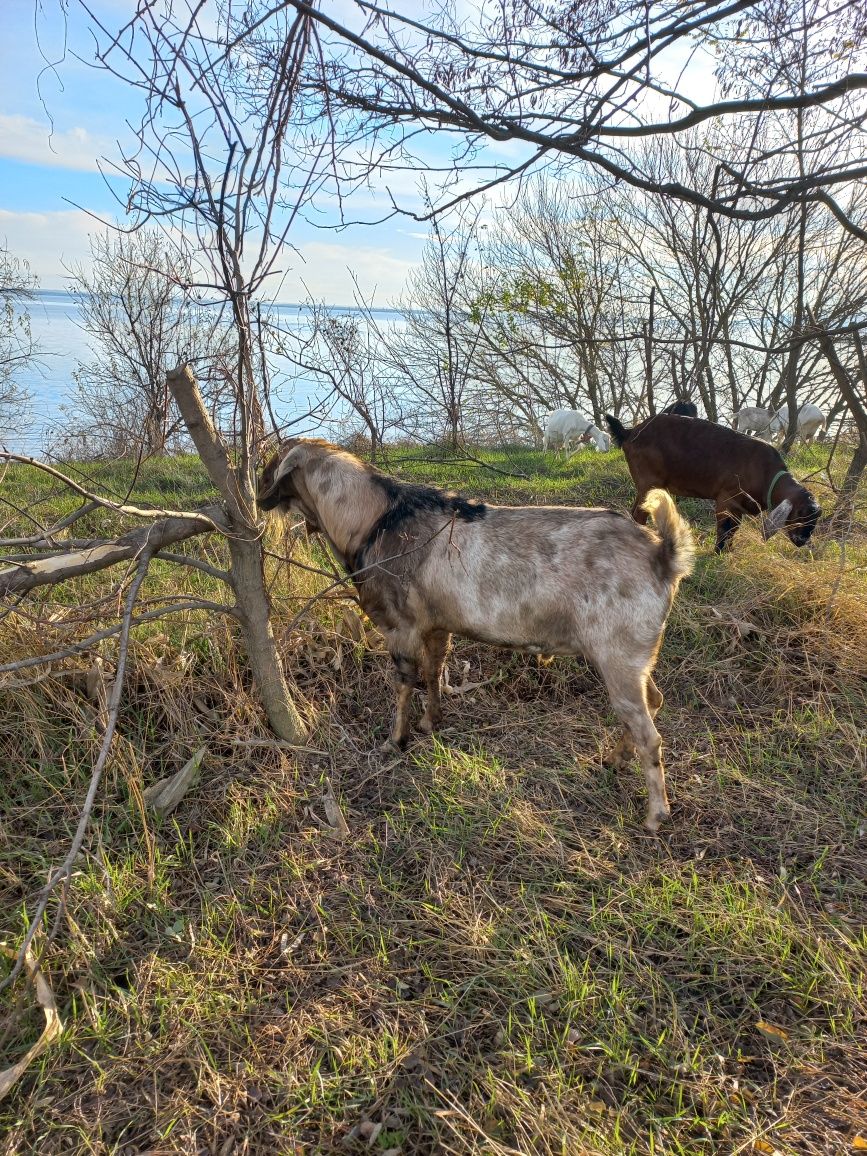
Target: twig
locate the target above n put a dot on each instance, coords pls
(63, 872)
(196, 563)
(118, 507)
(101, 635)
(46, 535)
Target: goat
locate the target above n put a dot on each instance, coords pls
(764, 423)
(565, 427)
(773, 425)
(693, 458)
(548, 580)
(811, 421)
(682, 408)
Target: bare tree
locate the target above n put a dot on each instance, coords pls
(560, 313)
(221, 140)
(136, 304)
(853, 389)
(565, 82)
(434, 351)
(347, 356)
(16, 342)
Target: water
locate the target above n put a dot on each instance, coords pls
(62, 344)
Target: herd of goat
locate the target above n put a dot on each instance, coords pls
(561, 580)
(566, 429)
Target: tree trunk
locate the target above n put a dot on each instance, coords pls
(247, 571)
(857, 409)
(844, 511)
(247, 574)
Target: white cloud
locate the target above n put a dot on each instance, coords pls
(48, 241)
(51, 242)
(324, 271)
(22, 138)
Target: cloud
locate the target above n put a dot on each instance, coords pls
(324, 271)
(22, 138)
(51, 242)
(48, 241)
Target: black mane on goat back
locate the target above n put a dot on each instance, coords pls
(406, 499)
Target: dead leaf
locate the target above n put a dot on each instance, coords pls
(353, 627)
(333, 813)
(764, 1146)
(369, 1131)
(203, 708)
(772, 1031)
(164, 796)
(53, 1024)
(465, 686)
(859, 1143)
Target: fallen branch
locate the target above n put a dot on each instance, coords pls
(58, 568)
(118, 507)
(47, 534)
(110, 631)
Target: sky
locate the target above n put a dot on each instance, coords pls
(55, 125)
(60, 118)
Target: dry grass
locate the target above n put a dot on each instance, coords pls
(495, 958)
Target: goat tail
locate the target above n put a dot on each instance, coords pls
(618, 431)
(676, 557)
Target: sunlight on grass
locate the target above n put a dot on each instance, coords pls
(495, 957)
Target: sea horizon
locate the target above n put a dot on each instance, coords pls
(61, 344)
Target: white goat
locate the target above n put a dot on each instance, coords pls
(549, 580)
(763, 423)
(811, 421)
(565, 428)
(772, 426)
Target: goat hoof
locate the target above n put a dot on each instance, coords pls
(393, 746)
(655, 818)
(427, 725)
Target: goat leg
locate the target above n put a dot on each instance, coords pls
(727, 522)
(635, 702)
(435, 647)
(407, 675)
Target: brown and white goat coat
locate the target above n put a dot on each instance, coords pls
(552, 580)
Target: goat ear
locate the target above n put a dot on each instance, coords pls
(292, 461)
(776, 519)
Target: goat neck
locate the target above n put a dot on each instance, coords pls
(331, 488)
(347, 503)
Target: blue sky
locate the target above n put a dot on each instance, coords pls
(51, 188)
(57, 123)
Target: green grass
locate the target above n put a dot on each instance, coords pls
(497, 958)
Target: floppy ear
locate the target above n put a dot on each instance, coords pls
(776, 519)
(295, 458)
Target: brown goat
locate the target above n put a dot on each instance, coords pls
(548, 580)
(697, 459)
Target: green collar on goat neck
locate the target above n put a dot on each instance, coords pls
(779, 474)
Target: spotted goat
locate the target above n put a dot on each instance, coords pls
(549, 580)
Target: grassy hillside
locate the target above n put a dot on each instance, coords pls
(495, 958)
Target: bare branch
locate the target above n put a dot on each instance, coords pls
(60, 567)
